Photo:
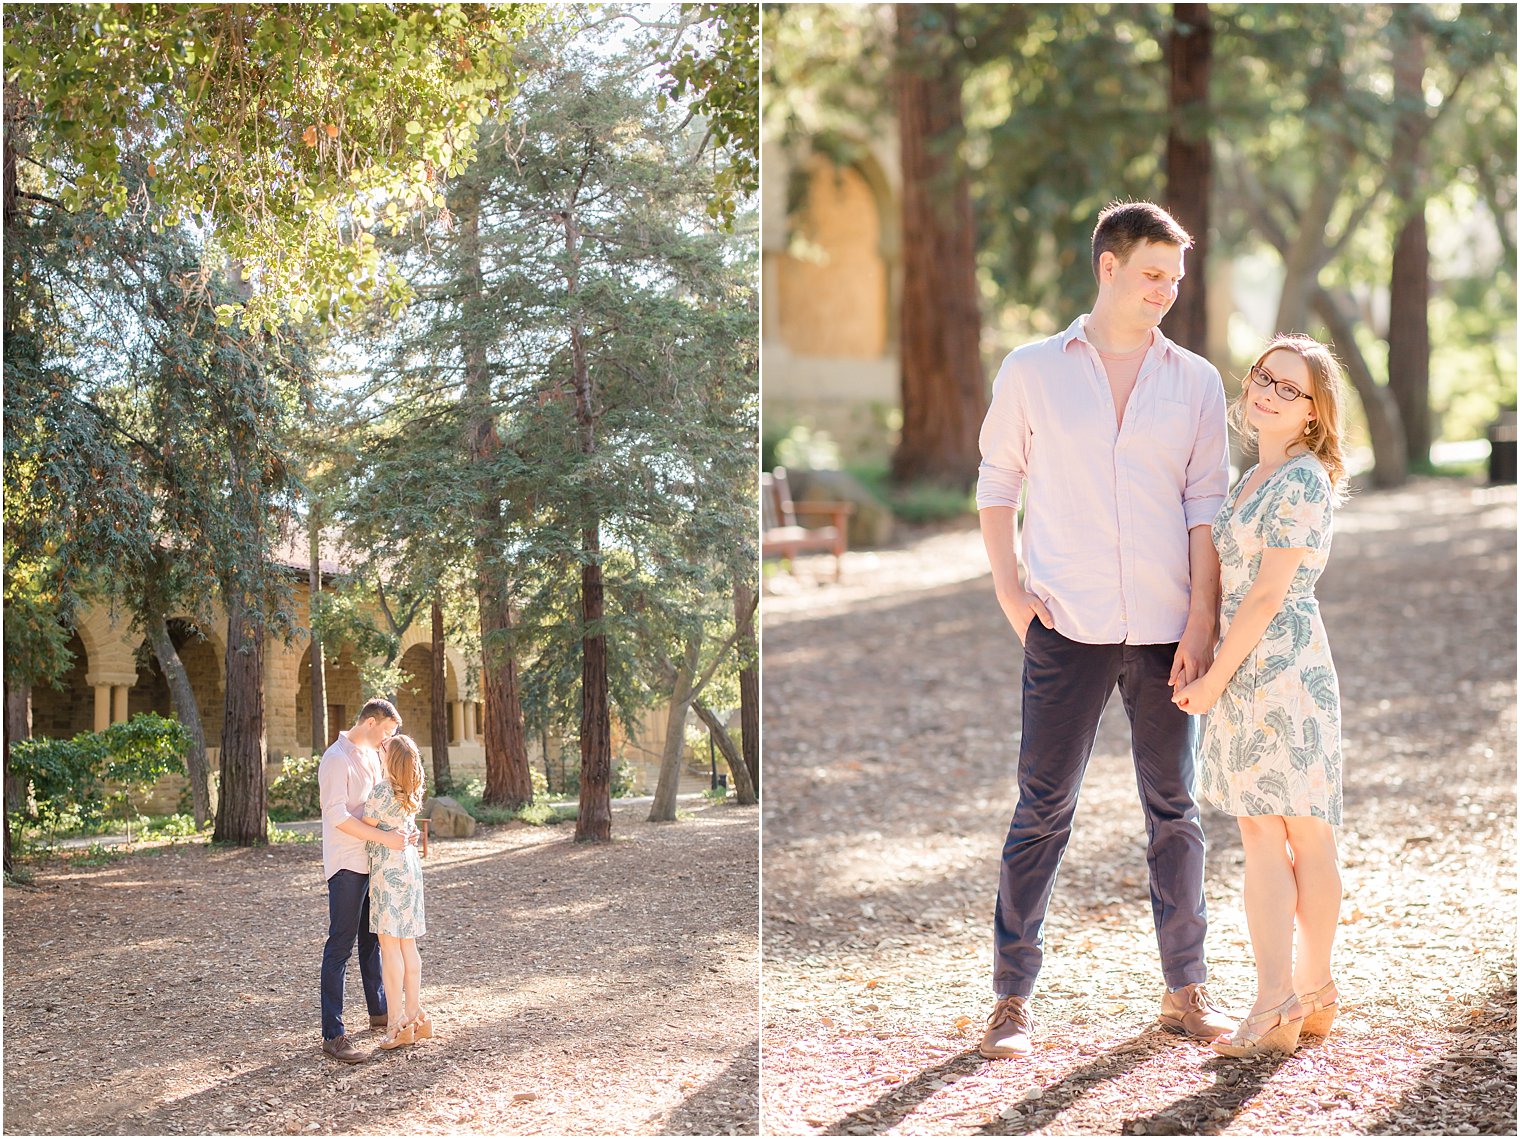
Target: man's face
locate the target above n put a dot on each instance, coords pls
(1144, 285)
(373, 733)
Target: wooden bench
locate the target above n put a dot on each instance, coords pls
(782, 536)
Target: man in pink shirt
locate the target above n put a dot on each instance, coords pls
(1120, 436)
(347, 774)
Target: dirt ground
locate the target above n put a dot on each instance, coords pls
(577, 990)
(891, 721)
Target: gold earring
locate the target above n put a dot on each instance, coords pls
(1309, 427)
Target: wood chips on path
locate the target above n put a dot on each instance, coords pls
(577, 990)
(891, 727)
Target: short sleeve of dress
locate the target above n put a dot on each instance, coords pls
(1299, 518)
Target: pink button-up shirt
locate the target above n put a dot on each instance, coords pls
(1105, 533)
(345, 777)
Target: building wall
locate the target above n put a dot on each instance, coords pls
(114, 677)
(830, 273)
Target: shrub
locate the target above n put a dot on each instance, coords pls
(77, 780)
(294, 794)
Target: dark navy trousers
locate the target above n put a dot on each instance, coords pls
(1066, 685)
(347, 921)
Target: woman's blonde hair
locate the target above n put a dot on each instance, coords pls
(403, 767)
(1324, 432)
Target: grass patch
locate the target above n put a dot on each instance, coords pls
(715, 794)
(20, 877)
(917, 503)
(1472, 468)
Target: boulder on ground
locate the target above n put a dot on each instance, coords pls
(447, 818)
(870, 525)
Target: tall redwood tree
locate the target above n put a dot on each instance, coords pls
(944, 393)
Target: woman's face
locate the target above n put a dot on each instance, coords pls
(1267, 407)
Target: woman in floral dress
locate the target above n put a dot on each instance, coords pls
(395, 890)
(1271, 752)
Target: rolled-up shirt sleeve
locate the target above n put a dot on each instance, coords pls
(1004, 442)
(332, 785)
(1208, 468)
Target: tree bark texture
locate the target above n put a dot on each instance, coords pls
(749, 680)
(944, 393)
(186, 710)
(241, 815)
(508, 780)
(437, 712)
(18, 727)
(318, 665)
(594, 823)
(744, 791)
(1390, 463)
(664, 808)
(1409, 287)
(1190, 165)
(1409, 335)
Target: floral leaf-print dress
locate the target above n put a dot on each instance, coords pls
(395, 876)
(1272, 744)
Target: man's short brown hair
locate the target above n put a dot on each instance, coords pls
(379, 709)
(1124, 225)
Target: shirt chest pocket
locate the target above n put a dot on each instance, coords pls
(1173, 425)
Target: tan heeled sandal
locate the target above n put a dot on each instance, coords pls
(423, 1025)
(1320, 1008)
(401, 1034)
(1282, 1036)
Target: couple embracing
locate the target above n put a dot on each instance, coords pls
(371, 782)
(1144, 569)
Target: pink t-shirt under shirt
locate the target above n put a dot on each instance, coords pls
(345, 777)
(1104, 541)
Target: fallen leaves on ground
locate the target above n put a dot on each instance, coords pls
(891, 728)
(575, 990)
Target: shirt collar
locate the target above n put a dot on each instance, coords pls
(1077, 330)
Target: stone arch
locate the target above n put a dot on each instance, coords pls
(64, 712)
(201, 652)
(415, 693)
(343, 686)
(837, 302)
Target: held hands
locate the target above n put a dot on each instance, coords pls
(1198, 697)
(1195, 653)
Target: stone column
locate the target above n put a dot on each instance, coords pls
(119, 703)
(456, 721)
(102, 707)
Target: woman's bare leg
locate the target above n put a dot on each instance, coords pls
(392, 970)
(413, 961)
(1317, 876)
(1271, 896)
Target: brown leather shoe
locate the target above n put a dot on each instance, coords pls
(341, 1049)
(1192, 1012)
(377, 1021)
(1008, 1029)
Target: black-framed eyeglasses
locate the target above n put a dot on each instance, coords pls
(1285, 391)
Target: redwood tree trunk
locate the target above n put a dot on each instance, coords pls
(1409, 335)
(743, 790)
(1190, 165)
(663, 809)
(595, 821)
(241, 815)
(18, 727)
(438, 713)
(508, 780)
(1409, 286)
(944, 394)
(749, 680)
(186, 710)
(318, 665)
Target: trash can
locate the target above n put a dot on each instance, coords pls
(1502, 436)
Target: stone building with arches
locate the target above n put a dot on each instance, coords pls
(115, 676)
(831, 278)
